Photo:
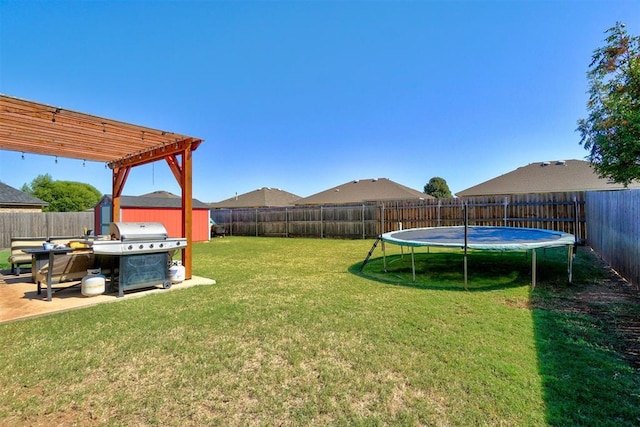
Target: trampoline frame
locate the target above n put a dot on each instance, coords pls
(560, 239)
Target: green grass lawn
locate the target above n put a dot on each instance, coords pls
(293, 334)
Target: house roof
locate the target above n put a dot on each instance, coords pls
(156, 199)
(260, 198)
(544, 177)
(364, 190)
(10, 196)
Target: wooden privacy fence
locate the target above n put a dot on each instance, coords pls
(339, 221)
(553, 211)
(614, 230)
(42, 224)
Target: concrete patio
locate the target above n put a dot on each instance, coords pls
(19, 298)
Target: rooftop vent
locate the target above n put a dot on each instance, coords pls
(545, 164)
(561, 162)
(355, 181)
(374, 180)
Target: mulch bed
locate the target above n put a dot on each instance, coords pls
(612, 300)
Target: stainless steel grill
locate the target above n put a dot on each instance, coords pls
(137, 238)
(138, 231)
(139, 254)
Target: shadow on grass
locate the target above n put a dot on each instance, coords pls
(585, 378)
(486, 271)
(580, 341)
(585, 381)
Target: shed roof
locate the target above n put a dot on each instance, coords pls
(364, 190)
(544, 177)
(157, 199)
(161, 194)
(260, 198)
(10, 196)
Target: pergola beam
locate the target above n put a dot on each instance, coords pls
(153, 154)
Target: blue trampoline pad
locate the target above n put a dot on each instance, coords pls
(480, 237)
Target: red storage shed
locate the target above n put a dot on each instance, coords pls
(159, 206)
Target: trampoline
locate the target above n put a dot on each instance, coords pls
(482, 238)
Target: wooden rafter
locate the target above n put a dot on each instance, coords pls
(38, 128)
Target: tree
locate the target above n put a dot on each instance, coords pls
(438, 188)
(63, 196)
(611, 132)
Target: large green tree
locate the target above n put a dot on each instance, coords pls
(611, 132)
(438, 188)
(63, 196)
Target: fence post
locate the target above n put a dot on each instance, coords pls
(363, 224)
(256, 222)
(575, 218)
(506, 204)
(321, 230)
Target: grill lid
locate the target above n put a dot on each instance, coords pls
(137, 231)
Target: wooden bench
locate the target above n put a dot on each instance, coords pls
(17, 256)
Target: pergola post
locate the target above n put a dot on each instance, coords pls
(119, 177)
(115, 209)
(187, 210)
(183, 172)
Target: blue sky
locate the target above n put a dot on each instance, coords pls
(307, 95)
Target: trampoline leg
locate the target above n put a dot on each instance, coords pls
(413, 264)
(373, 248)
(465, 272)
(533, 269)
(570, 264)
(384, 257)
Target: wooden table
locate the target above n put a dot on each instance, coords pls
(40, 257)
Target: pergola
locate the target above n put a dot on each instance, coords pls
(32, 127)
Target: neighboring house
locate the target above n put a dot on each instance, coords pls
(261, 198)
(364, 190)
(12, 200)
(544, 177)
(159, 206)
